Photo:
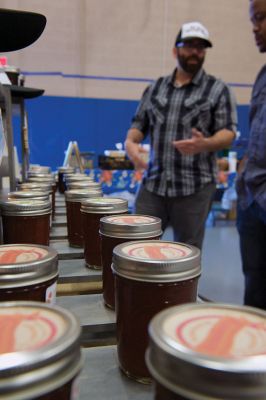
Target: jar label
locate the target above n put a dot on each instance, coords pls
(28, 328)
(130, 219)
(218, 332)
(21, 254)
(50, 295)
(156, 250)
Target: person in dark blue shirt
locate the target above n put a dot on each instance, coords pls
(251, 184)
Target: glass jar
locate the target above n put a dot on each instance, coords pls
(62, 172)
(40, 355)
(28, 272)
(208, 351)
(92, 211)
(73, 214)
(150, 275)
(117, 229)
(26, 221)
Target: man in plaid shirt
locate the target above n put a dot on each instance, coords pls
(189, 115)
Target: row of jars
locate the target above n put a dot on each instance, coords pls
(147, 281)
(221, 346)
(40, 355)
(151, 275)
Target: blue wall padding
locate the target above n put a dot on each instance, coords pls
(96, 124)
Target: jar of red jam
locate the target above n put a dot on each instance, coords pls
(26, 221)
(208, 351)
(28, 272)
(40, 355)
(62, 171)
(150, 275)
(73, 214)
(117, 229)
(92, 211)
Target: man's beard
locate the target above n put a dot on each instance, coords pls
(190, 68)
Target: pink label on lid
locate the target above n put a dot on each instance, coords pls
(28, 329)
(156, 251)
(131, 220)
(219, 333)
(21, 254)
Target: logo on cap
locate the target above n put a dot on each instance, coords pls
(191, 30)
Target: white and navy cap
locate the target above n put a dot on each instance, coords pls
(193, 30)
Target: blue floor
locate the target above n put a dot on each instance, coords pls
(221, 279)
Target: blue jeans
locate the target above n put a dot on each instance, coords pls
(251, 225)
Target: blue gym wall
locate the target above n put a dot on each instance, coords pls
(96, 124)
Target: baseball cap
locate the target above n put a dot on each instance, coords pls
(193, 30)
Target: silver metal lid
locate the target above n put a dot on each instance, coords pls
(209, 351)
(45, 187)
(30, 194)
(26, 264)
(25, 207)
(88, 184)
(50, 180)
(44, 353)
(66, 170)
(40, 169)
(156, 261)
(131, 226)
(105, 205)
(79, 195)
(77, 178)
(35, 174)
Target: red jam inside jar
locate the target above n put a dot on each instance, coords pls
(149, 276)
(74, 217)
(26, 221)
(40, 339)
(92, 211)
(28, 272)
(115, 230)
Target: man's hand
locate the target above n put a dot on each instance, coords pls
(137, 155)
(195, 145)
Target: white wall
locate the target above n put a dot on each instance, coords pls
(132, 39)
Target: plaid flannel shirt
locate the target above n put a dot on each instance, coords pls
(167, 113)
